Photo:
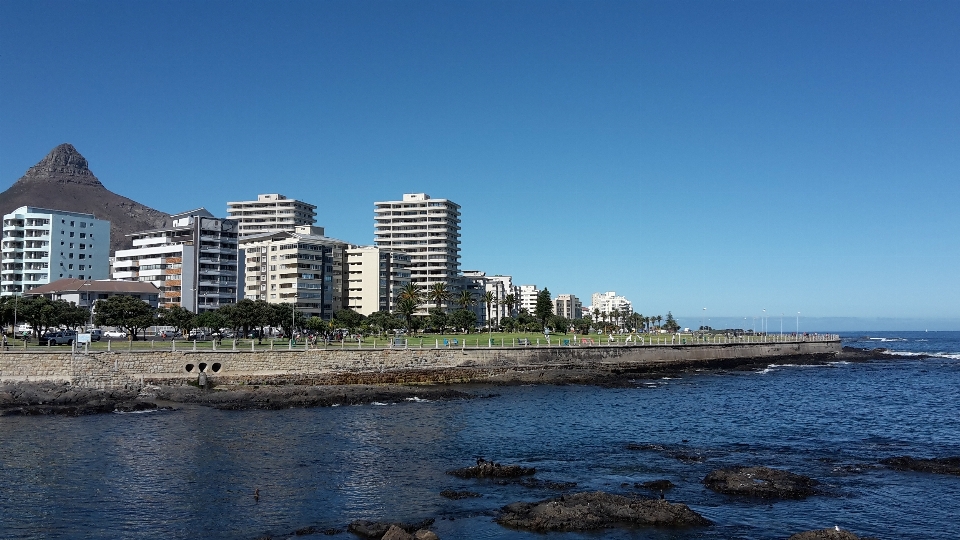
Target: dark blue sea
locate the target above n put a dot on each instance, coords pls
(192, 472)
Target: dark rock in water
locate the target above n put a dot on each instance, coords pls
(946, 465)
(489, 469)
(760, 482)
(656, 485)
(457, 495)
(376, 529)
(396, 533)
(826, 534)
(35, 399)
(590, 511)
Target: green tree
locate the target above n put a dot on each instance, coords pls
(287, 318)
(349, 319)
(72, 315)
(180, 318)
(383, 321)
(131, 314)
(213, 321)
(671, 325)
(465, 299)
(316, 325)
(558, 324)
(438, 294)
(489, 299)
(406, 306)
(510, 301)
(437, 319)
(544, 308)
(412, 292)
(464, 320)
(582, 326)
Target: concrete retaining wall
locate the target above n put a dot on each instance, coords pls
(134, 368)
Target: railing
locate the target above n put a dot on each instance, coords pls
(474, 341)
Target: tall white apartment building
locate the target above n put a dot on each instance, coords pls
(271, 212)
(502, 286)
(374, 278)
(40, 246)
(426, 229)
(568, 306)
(609, 301)
(302, 267)
(528, 298)
(194, 262)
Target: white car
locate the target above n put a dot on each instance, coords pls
(114, 334)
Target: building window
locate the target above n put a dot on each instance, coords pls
(71, 234)
(71, 224)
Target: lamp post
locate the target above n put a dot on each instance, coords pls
(798, 325)
(781, 326)
(702, 315)
(763, 322)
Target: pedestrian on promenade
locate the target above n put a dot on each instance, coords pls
(6, 346)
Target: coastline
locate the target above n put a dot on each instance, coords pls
(281, 391)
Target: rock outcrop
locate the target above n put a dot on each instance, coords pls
(945, 465)
(489, 469)
(64, 181)
(835, 533)
(379, 530)
(597, 510)
(761, 482)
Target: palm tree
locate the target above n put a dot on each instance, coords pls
(438, 294)
(412, 292)
(466, 299)
(511, 302)
(407, 307)
(659, 319)
(488, 299)
(640, 321)
(615, 316)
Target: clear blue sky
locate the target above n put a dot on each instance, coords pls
(793, 156)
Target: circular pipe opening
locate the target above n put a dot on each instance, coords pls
(202, 366)
(188, 367)
(216, 367)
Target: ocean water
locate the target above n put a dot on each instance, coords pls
(192, 472)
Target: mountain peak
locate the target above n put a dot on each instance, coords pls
(63, 165)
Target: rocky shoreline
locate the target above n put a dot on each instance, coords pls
(279, 392)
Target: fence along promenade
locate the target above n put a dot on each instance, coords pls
(467, 341)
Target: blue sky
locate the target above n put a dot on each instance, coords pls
(739, 156)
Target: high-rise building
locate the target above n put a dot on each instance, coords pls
(271, 212)
(479, 283)
(41, 245)
(301, 267)
(609, 301)
(528, 298)
(426, 229)
(194, 262)
(568, 306)
(375, 277)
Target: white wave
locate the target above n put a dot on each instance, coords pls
(378, 403)
(418, 400)
(669, 378)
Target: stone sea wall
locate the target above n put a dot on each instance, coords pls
(135, 368)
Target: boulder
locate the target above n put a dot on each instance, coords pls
(597, 510)
(424, 534)
(489, 469)
(760, 482)
(945, 465)
(655, 485)
(377, 529)
(396, 533)
(825, 534)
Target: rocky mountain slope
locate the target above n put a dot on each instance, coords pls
(63, 181)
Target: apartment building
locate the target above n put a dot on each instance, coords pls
(528, 298)
(374, 278)
(271, 212)
(301, 267)
(194, 262)
(41, 245)
(426, 229)
(609, 301)
(568, 306)
(479, 283)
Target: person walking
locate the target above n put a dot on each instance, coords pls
(6, 345)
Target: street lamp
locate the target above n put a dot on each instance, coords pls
(763, 322)
(798, 324)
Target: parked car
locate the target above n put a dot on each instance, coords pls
(95, 334)
(60, 337)
(167, 334)
(115, 334)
